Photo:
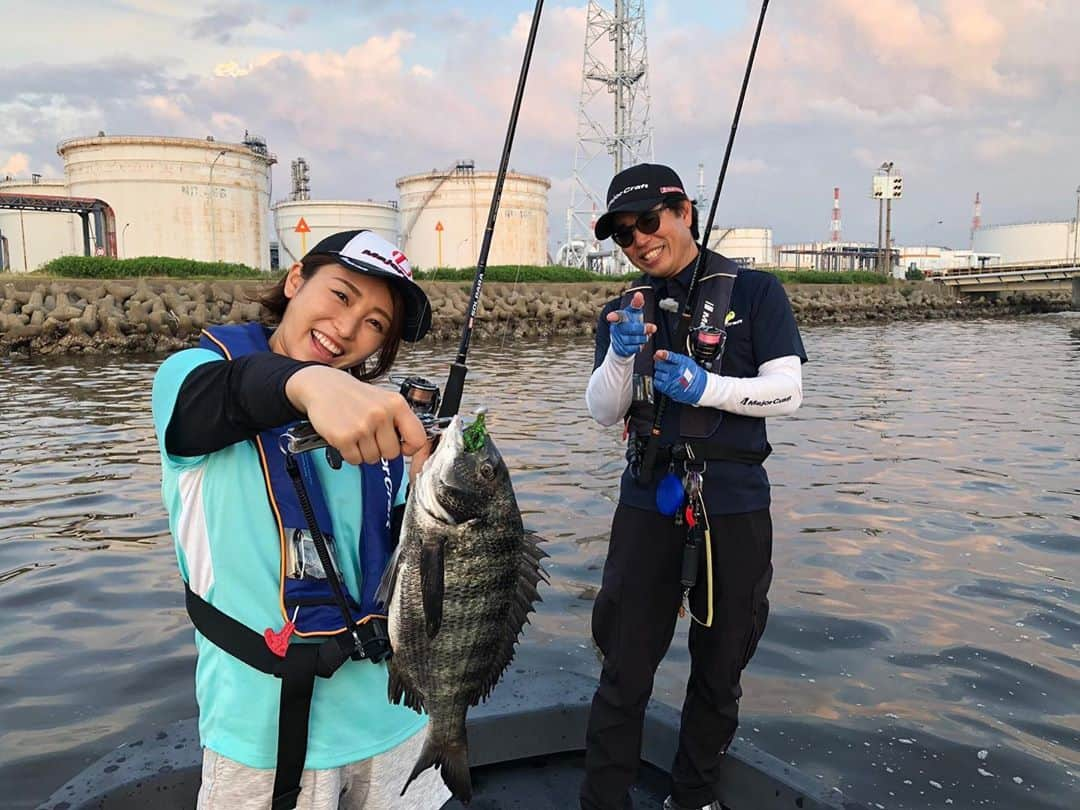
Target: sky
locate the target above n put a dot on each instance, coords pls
(963, 96)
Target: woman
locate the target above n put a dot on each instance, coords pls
(291, 674)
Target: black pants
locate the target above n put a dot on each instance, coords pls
(633, 623)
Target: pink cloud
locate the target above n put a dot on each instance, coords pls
(17, 164)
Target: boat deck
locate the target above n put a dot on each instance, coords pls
(525, 748)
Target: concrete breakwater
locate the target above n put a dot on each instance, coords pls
(161, 315)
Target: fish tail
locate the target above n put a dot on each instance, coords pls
(453, 764)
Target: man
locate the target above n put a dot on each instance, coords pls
(706, 501)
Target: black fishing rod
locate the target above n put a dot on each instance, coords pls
(455, 382)
(423, 397)
(683, 328)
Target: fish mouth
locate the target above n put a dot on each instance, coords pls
(437, 469)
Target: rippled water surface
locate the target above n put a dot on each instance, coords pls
(924, 644)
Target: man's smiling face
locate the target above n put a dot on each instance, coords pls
(666, 251)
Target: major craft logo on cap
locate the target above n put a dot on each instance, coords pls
(366, 246)
(627, 190)
(638, 189)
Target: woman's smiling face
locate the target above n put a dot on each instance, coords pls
(338, 316)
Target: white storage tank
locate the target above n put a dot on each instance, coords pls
(181, 197)
(32, 238)
(1028, 242)
(752, 246)
(444, 213)
(325, 217)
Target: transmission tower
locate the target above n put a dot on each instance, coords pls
(613, 130)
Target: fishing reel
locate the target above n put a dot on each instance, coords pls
(707, 346)
(423, 397)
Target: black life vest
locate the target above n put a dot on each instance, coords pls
(712, 300)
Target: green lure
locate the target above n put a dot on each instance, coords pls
(475, 435)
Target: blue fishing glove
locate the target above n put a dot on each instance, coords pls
(628, 333)
(680, 378)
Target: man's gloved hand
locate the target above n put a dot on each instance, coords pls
(628, 331)
(679, 377)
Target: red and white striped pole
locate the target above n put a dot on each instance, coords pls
(836, 215)
(976, 220)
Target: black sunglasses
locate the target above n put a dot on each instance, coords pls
(648, 222)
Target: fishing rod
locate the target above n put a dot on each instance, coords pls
(423, 396)
(455, 381)
(683, 328)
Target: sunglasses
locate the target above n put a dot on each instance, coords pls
(649, 222)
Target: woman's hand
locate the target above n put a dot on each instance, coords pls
(416, 463)
(361, 421)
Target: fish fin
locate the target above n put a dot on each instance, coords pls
(389, 577)
(399, 689)
(529, 574)
(453, 764)
(431, 583)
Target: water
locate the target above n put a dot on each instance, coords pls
(924, 644)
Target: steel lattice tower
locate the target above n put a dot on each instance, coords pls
(616, 65)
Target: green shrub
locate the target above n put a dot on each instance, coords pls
(914, 274)
(162, 266)
(827, 277)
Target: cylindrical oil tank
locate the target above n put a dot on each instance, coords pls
(751, 246)
(443, 216)
(182, 197)
(325, 217)
(1028, 242)
(32, 238)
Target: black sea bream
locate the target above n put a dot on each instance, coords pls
(458, 591)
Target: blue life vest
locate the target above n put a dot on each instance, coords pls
(311, 600)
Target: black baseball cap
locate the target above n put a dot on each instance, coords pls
(366, 252)
(637, 189)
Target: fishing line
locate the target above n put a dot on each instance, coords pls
(510, 314)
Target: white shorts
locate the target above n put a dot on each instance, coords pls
(370, 784)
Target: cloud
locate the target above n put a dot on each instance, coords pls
(1000, 146)
(165, 108)
(231, 69)
(749, 166)
(16, 165)
(962, 94)
(222, 25)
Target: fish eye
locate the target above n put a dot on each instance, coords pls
(487, 470)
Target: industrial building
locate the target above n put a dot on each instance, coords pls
(747, 246)
(932, 260)
(165, 196)
(300, 224)
(1029, 242)
(444, 213)
(835, 256)
(28, 239)
(198, 199)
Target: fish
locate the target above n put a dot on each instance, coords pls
(458, 591)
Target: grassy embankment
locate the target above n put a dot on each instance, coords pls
(98, 267)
